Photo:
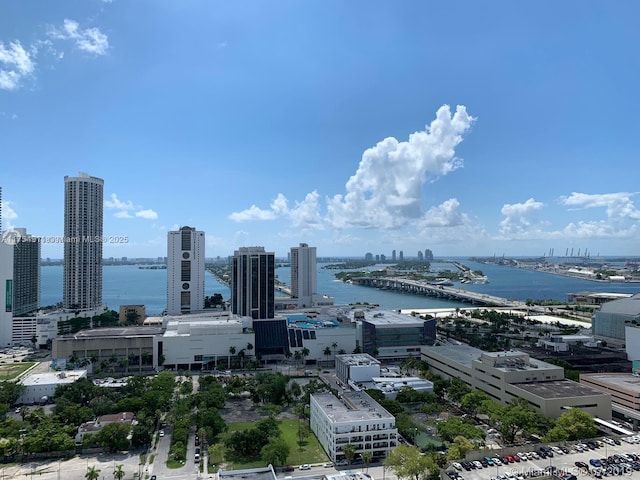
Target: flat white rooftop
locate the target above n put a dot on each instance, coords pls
(352, 407)
(359, 359)
(49, 378)
(389, 318)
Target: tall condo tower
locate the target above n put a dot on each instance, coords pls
(83, 211)
(19, 279)
(303, 274)
(185, 271)
(253, 283)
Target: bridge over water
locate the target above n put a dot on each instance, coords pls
(418, 287)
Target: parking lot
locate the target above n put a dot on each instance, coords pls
(563, 463)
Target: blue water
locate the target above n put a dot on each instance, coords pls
(127, 284)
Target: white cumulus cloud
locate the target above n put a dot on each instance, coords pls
(386, 190)
(15, 64)
(90, 40)
(8, 215)
(517, 219)
(447, 214)
(127, 209)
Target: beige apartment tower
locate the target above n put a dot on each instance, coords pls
(83, 235)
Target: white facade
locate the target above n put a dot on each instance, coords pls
(39, 385)
(355, 419)
(303, 274)
(20, 283)
(83, 238)
(185, 271)
(6, 284)
(357, 368)
(198, 341)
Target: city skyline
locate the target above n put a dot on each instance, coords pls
(471, 129)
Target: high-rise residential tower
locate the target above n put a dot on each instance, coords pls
(19, 278)
(83, 236)
(303, 274)
(185, 271)
(253, 283)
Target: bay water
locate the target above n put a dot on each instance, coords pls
(128, 284)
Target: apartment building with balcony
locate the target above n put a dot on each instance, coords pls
(355, 418)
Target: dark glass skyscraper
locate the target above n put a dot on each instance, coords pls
(253, 283)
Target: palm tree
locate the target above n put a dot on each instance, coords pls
(241, 355)
(232, 351)
(366, 458)
(305, 353)
(349, 452)
(327, 352)
(93, 473)
(249, 348)
(118, 473)
(297, 357)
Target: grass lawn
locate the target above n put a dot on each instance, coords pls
(9, 371)
(310, 452)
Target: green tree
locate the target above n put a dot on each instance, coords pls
(118, 472)
(572, 425)
(327, 352)
(366, 459)
(472, 401)
(457, 389)
(93, 473)
(232, 351)
(349, 452)
(275, 452)
(454, 426)
(408, 463)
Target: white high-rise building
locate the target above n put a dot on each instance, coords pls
(303, 274)
(185, 271)
(83, 211)
(20, 279)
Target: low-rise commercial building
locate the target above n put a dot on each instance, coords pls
(355, 419)
(389, 335)
(357, 368)
(505, 376)
(610, 321)
(198, 341)
(40, 387)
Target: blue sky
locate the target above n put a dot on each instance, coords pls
(469, 128)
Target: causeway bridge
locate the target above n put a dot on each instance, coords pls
(418, 287)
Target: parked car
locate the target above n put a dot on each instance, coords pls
(595, 462)
(305, 466)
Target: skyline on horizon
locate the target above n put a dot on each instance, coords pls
(508, 131)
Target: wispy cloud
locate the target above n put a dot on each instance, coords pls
(618, 205)
(127, 209)
(15, 65)
(147, 214)
(90, 40)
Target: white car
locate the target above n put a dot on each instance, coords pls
(161, 433)
(305, 467)
(523, 456)
(457, 465)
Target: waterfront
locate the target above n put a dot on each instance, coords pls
(128, 284)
